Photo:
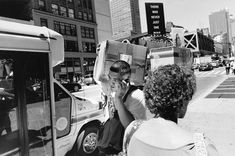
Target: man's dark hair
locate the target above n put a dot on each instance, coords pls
(120, 67)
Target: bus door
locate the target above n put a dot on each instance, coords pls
(25, 111)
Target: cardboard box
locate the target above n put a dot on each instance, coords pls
(170, 55)
(110, 51)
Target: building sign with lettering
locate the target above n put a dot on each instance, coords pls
(155, 18)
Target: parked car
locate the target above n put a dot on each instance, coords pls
(205, 66)
(215, 64)
(71, 87)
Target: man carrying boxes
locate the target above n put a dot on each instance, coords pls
(120, 68)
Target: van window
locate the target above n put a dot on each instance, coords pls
(63, 103)
(25, 127)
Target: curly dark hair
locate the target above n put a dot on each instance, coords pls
(167, 87)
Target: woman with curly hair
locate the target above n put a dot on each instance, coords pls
(167, 91)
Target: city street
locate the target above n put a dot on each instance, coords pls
(211, 110)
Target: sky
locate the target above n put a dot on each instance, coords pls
(191, 14)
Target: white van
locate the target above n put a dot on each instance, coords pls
(38, 116)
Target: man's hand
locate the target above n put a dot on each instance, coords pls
(122, 88)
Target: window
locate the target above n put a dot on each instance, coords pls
(89, 4)
(73, 30)
(87, 32)
(89, 47)
(71, 46)
(84, 4)
(70, 1)
(71, 13)
(57, 26)
(55, 9)
(65, 28)
(41, 4)
(80, 15)
(79, 3)
(25, 107)
(85, 16)
(92, 35)
(83, 33)
(62, 28)
(77, 62)
(90, 17)
(43, 22)
(63, 11)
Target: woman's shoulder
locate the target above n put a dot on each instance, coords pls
(129, 131)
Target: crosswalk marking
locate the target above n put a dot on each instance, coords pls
(212, 73)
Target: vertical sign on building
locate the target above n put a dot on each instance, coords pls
(155, 18)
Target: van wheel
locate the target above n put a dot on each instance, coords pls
(87, 142)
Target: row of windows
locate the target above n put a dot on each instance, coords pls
(85, 13)
(89, 47)
(86, 4)
(85, 16)
(63, 11)
(71, 62)
(76, 62)
(89, 61)
(87, 32)
(70, 29)
(70, 46)
(65, 28)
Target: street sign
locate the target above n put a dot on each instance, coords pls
(155, 18)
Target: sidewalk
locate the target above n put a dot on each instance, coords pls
(216, 118)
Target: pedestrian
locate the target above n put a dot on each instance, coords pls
(167, 91)
(233, 67)
(126, 104)
(227, 67)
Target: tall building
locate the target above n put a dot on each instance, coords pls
(103, 18)
(76, 21)
(220, 25)
(125, 18)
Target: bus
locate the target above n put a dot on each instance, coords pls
(38, 116)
